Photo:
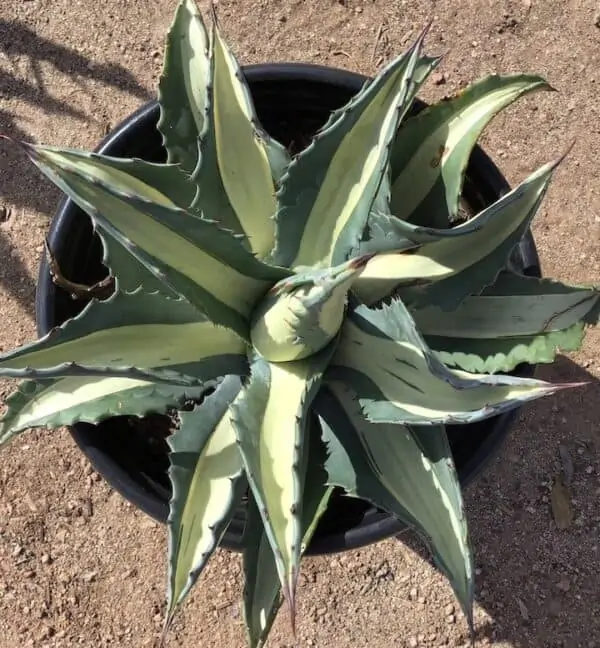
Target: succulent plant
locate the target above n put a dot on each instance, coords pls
(268, 289)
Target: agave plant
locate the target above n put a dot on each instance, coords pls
(265, 288)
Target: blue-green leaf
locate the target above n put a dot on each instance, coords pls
(239, 163)
(517, 319)
(398, 379)
(192, 256)
(206, 473)
(146, 331)
(432, 149)
(445, 271)
(66, 401)
(262, 591)
(330, 187)
(271, 419)
(407, 471)
(184, 86)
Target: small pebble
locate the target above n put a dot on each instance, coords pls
(523, 609)
(45, 633)
(90, 576)
(450, 619)
(413, 642)
(449, 609)
(439, 78)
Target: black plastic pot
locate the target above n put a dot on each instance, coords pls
(292, 102)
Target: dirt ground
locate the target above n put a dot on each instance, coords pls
(80, 567)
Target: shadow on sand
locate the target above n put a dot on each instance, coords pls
(17, 40)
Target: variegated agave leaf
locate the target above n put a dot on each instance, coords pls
(131, 354)
(92, 399)
(408, 472)
(271, 418)
(207, 477)
(262, 591)
(147, 331)
(183, 86)
(431, 149)
(517, 319)
(445, 268)
(192, 256)
(398, 379)
(329, 188)
(210, 127)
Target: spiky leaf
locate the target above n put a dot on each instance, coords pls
(168, 179)
(445, 271)
(262, 587)
(325, 197)
(171, 353)
(386, 232)
(408, 472)
(239, 162)
(517, 319)
(146, 331)
(183, 86)
(116, 370)
(192, 256)
(271, 419)
(128, 272)
(505, 354)
(206, 473)
(431, 150)
(66, 401)
(398, 379)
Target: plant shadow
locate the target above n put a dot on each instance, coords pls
(17, 174)
(14, 275)
(538, 584)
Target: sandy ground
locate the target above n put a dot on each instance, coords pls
(80, 567)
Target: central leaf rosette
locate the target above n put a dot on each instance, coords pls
(302, 314)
